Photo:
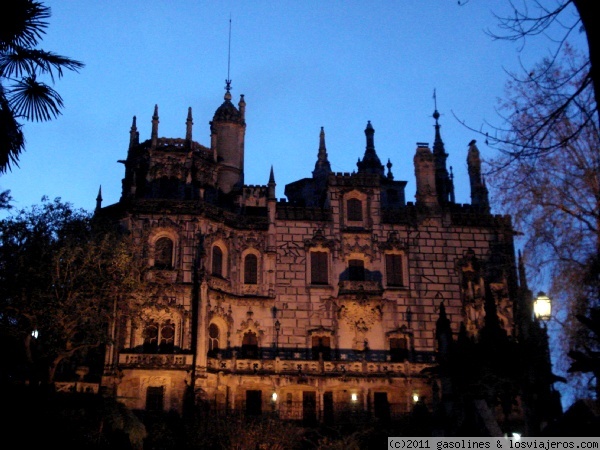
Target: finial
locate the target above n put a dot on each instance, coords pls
(228, 80)
(436, 114)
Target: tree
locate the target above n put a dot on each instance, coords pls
(63, 273)
(22, 94)
(554, 195)
(560, 20)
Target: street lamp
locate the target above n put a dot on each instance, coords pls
(542, 307)
(277, 329)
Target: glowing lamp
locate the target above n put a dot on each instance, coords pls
(542, 307)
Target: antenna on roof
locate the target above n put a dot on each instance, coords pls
(228, 80)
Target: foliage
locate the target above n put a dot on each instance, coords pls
(553, 194)
(5, 199)
(62, 274)
(41, 418)
(22, 93)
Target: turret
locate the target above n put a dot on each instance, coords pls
(370, 162)
(479, 192)
(425, 175)
(228, 129)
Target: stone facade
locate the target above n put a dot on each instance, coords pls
(316, 305)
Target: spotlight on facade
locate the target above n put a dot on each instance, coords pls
(274, 396)
(415, 398)
(35, 334)
(354, 397)
(542, 307)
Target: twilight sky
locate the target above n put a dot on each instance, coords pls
(300, 64)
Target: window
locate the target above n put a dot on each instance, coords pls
(167, 337)
(318, 268)
(321, 345)
(393, 270)
(250, 346)
(159, 337)
(398, 349)
(250, 269)
(151, 337)
(217, 261)
(213, 340)
(354, 210)
(163, 253)
(356, 270)
(155, 398)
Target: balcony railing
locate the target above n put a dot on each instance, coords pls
(297, 411)
(152, 360)
(304, 367)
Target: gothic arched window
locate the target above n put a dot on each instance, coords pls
(163, 253)
(217, 261)
(250, 269)
(213, 339)
(167, 337)
(151, 337)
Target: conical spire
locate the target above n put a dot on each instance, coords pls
(322, 166)
(271, 185)
(134, 135)
(443, 183)
(370, 162)
(154, 135)
(99, 199)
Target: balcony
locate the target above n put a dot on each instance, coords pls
(154, 360)
(360, 287)
(300, 367)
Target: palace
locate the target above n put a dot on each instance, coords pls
(342, 298)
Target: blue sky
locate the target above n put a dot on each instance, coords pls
(302, 65)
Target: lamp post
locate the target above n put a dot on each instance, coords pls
(277, 329)
(542, 307)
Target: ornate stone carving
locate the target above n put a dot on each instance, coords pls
(393, 242)
(319, 240)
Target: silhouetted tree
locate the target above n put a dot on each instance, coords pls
(554, 196)
(62, 274)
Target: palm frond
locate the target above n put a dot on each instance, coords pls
(34, 100)
(25, 61)
(23, 24)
